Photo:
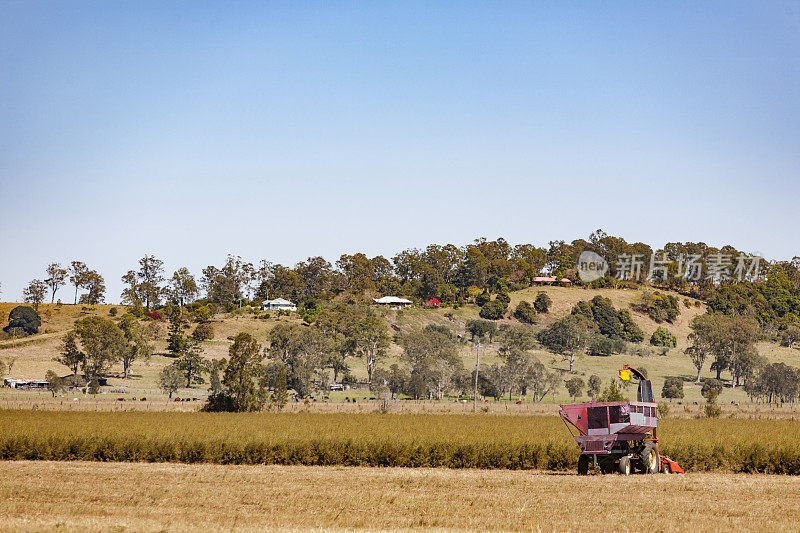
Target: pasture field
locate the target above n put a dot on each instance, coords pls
(80, 496)
(421, 440)
(33, 356)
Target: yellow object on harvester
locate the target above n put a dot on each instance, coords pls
(625, 374)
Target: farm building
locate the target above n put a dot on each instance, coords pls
(393, 302)
(278, 304)
(549, 280)
(25, 384)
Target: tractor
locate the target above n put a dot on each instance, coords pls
(619, 436)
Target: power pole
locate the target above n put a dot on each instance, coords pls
(477, 366)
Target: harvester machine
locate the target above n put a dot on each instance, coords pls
(619, 436)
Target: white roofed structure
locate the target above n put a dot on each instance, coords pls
(278, 303)
(393, 301)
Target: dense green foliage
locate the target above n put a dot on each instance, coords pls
(776, 301)
(711, 388)
(481, 329)
(494, 310)
(658, 306)
(673, 388)
(542, 302)
(662, 337)
(605, 346)
(242, 378)
(25, 319)
(525, 312)
(457, 274)
(613, 323)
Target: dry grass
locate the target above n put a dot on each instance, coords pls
(25, 400)
(37, 496)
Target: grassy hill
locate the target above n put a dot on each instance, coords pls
(34, 355)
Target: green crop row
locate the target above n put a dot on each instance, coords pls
(550, 456)
(454, 441)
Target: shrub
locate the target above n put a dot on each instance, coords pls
(663, 409)
(503, 298)
(612, 393)
(658, 306)
(712, 410)
(594, 385)
(525, 312)
(632, 332)
(219, 403)
(662, 337)
(617, 324)
(25, 318)
(542, 302)
(604, 346)
(112, 311)
(202, 314)
(203, 332)
(481, 328)
(711, 388)
(574, 386)
(493, 310)
(483, 298)
(673, 388)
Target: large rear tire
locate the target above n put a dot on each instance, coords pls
(583, 465)
(625, 466)
(649, 458)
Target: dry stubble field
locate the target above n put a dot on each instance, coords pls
(80, 496)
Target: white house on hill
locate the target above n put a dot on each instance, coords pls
(278, 304)
(392, 302)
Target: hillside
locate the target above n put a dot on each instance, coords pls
(34, 355)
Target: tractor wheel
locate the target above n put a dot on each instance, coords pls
(625, 466)
(665, 468)
(649, 458)
(583, 465)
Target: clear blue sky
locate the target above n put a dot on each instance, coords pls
(283, 130)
